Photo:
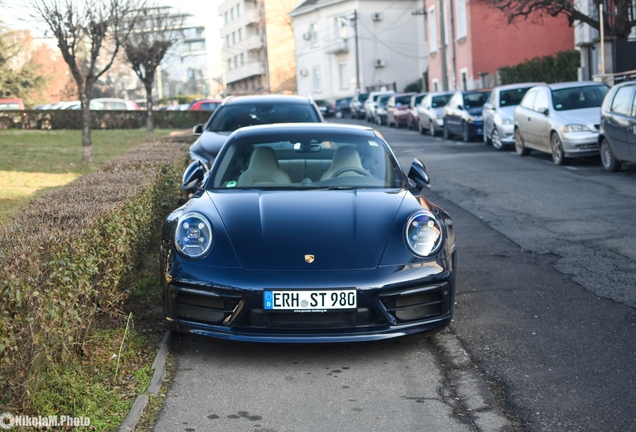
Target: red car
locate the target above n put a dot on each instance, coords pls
(205, 105)
(397, 110)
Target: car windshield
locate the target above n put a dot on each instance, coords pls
(579, 97)
(301, 160)
(363, 96)
(512, 97)
(403, 100)
(475, 100)
(440, 101)
(228, 118)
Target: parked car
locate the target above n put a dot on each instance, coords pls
(380, 110)
(397, 109)
(204, 104)
(357, 105)
(412, 116)
(239, 111)
(371, 103)
(343, 108)
(463, 114)
(307, 233)
(430, 112)
(327, 109)
(11, 104)
(617, 138)
(561, 119)
(114, 104)
(499, 112)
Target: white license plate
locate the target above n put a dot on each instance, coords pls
(322, 300)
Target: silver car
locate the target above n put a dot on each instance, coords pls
(372, 103)
(561, 119)
(499, 111)
(430, 112)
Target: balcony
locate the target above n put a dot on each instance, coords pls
(252, 43)
(245, 71)
(337, 46)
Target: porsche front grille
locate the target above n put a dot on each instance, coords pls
(209, 307)
(418, 303)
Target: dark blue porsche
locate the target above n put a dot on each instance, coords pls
(307, 233)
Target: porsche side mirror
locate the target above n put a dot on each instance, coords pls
(192, 176)
(197, 130)
(419, 174)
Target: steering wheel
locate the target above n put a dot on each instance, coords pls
(352, 169)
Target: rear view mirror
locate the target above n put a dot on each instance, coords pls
(192, 176)
(419, 174)
(197, 130)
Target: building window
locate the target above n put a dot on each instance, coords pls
(233, 38)
(432, 30)
(436, 85)
(313, 34)
(343, 76)
(340, 24)
(232, 14)
(240, 34)
(464, 77)
(317, 79)
(239, 10)
(462, 30)
(227, 40)
(227, 17)
(242, 59)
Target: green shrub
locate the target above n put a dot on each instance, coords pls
(561, 67)
(63, 257)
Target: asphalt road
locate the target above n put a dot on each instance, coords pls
(547, 281)
(545, 308)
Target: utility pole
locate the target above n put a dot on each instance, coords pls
(442, 48)
(355, 38)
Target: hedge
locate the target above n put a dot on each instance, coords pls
(561, 67)
(63, 257)
(72, 119)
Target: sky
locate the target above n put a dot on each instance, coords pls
(14, 14)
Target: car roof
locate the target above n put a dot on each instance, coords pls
(277, 128)
(254, 99)
(570, 84)
(518, 85)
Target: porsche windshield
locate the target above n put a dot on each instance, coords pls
(228, 118)
(306, 162)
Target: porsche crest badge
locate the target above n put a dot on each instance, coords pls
(310, 258)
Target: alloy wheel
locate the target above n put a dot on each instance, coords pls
(557, 149)
(609, 161)
(496, 140)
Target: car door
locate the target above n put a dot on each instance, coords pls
(616, 122)
(523, 116)
(489, 114)
(452, 117)
(540, 126)
(631, 132)
(422, 112)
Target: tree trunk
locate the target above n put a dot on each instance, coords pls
(150, 127)
(87, 143)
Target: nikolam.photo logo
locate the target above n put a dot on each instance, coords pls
(9, 421)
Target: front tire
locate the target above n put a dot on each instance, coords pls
(558, 155)
(447, 134)
(431, 129)
(519, 147)
(466, 136)
(609, 161)
(496, 140)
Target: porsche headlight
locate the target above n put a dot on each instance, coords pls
(193, 235)
(423, 233)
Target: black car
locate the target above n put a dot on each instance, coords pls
(307, 233)
(357, 105)
(327, 109)
(240, 111)
(463, 114)
(617, 138)
(343, 108)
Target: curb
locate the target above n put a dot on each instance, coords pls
(134, 415)
(470, 387)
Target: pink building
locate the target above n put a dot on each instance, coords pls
(482, 42)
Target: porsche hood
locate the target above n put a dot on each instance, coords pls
(315, 230)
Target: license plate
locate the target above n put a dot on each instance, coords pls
(323, 300)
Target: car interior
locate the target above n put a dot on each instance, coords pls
(305, 165)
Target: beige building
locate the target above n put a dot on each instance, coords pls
(258, 46)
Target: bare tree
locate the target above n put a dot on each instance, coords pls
(89, 34)
(156, 30)
(618, 19)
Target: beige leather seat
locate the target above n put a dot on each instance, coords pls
(263, 169)
(344, 157)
